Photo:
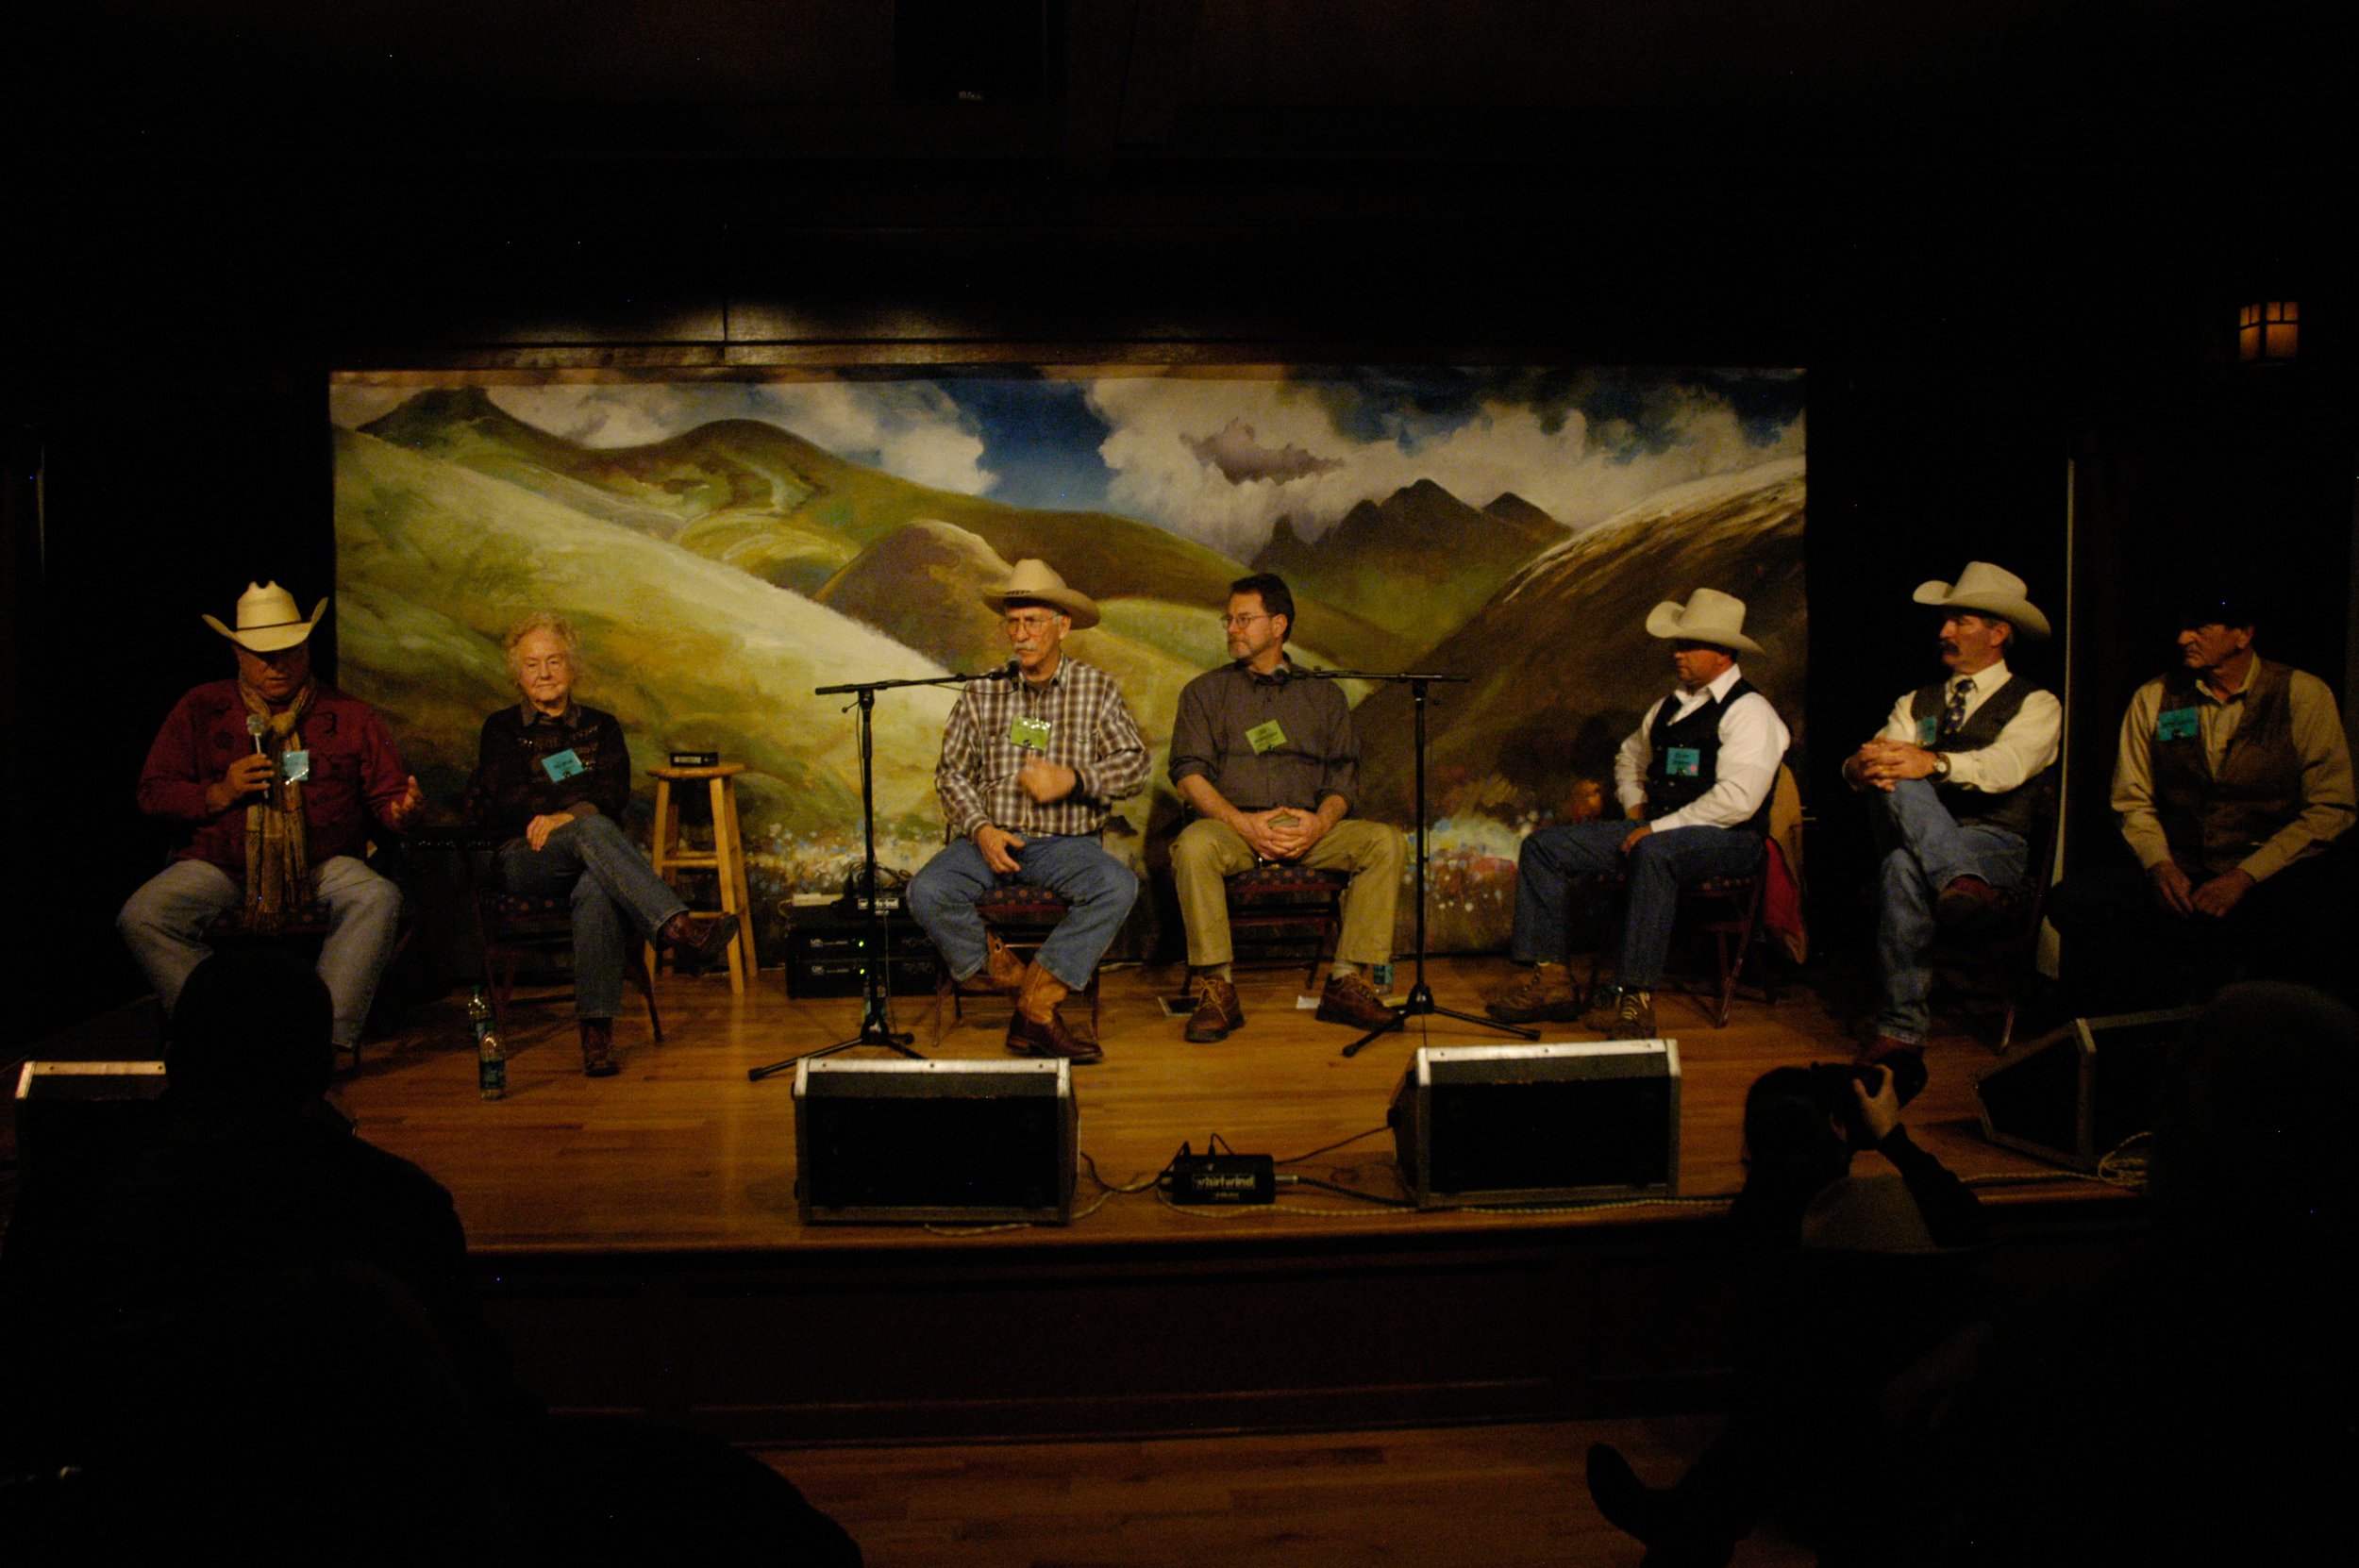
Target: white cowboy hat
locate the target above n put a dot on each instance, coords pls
(1986, 589)
(267, 620)
(1034, 579)
(1709, 616)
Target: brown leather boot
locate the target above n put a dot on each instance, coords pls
(597, 1048)
(1001, 968)
(1036, 1030)
(697, 940)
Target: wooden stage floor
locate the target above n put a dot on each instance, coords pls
(681, 1153)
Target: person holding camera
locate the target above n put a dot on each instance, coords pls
(1847, 1282)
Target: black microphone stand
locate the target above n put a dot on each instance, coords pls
(875, 1019)
(1419, 1003)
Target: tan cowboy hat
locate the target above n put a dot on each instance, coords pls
(1035, 579)
(1986, 589)
(267, 620)
(1709, 616)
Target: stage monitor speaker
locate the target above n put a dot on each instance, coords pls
(75, 1119)
(2077, 1093)
(1539, 1123)
(912, 1142)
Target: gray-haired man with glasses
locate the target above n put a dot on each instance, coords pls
(1030, 770)
(1268, 763)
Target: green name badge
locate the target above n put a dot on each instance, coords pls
(295, 766)
(561, 766)
(1682, 763)
(1266, 736)
(1030, 733)
(1928, 729)
(2176, 724)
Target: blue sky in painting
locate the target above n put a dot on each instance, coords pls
(1039, 440)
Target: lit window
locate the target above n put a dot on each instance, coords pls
(2269, 331)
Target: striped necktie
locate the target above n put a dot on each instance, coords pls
(1955, 720)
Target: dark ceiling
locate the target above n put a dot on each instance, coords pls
(765, 163)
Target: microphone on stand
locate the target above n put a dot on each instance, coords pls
(1009, 671)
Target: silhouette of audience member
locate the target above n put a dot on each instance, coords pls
(2195, 1405)
(1845, 1281)
(260, 1329)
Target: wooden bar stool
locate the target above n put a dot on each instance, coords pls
(727, 857)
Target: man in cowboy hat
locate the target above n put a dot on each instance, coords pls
(1267, 762)
(1694, 779)
(2232, 781)
(275, 780)
(1031, 766)
(1950, 779)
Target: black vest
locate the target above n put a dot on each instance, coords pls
(1699, 732)
(2014, 809)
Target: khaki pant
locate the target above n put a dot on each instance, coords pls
(1207, 851)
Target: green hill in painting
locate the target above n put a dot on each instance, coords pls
(771, 504)
(435, 562)
(1456, 556)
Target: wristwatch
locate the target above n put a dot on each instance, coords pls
(1941, 768)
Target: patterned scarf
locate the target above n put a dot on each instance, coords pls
(277, 852)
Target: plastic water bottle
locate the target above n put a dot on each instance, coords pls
(490, 1056)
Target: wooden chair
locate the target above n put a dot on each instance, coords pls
(726, 860)
(1023, 915)
(516, 927)
(1727, 909)
(2002, 964)
(1278, 898)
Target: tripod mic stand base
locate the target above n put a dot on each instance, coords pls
(873, 1031)
(1420, 1003)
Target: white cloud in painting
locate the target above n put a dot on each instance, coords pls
(1179, 450)
(908, 428)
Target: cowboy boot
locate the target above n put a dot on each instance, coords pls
(1002, 969)
(1036, 1030)
(597, 1048)
(697, 940)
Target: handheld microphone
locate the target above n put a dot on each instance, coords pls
(255, 725)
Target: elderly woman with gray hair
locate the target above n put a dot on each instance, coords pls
(557, 775)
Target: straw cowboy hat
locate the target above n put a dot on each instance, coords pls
(267, 620)
(1709, 616)
(1034, 579)
(1986, 589)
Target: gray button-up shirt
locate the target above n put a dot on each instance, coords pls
(1318, 757)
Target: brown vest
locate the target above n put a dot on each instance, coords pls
(2215, 822)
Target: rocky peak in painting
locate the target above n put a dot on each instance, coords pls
(1378, 546)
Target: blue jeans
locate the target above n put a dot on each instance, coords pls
(1924, 848)
(1657, 867)
(614, 888)
(1074, 866)
(163, 923)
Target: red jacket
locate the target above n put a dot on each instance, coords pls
(354, 772)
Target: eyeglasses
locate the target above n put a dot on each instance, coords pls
(1235, 621)
(1016, 625)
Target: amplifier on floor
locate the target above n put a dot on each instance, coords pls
(1539, 1123)
(925, 1140)
(75, 1119)
(2076, 1094)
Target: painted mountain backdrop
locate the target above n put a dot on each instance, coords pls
(722, 567)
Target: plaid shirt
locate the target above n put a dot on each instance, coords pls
(1090, 731)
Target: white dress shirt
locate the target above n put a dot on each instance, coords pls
(1753, 740)
(2022, 751)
